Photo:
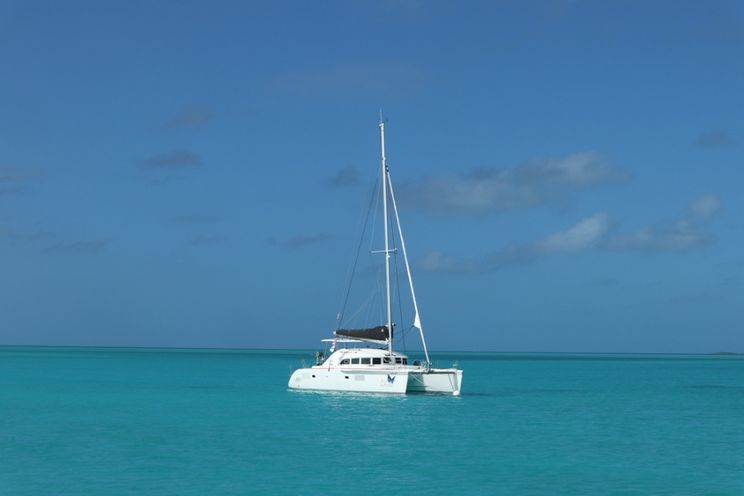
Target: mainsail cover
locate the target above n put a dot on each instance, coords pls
(379, 333)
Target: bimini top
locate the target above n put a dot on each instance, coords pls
(379, 333)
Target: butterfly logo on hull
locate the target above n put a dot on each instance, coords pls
(391, 379)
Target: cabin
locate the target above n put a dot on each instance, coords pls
(362, 358)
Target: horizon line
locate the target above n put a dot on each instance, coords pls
(217, 348)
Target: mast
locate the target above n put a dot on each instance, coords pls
(388, 298)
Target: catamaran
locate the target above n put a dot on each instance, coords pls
(363, 360)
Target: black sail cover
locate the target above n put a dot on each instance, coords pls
(379, 333)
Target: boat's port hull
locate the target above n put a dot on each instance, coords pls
(362, 381)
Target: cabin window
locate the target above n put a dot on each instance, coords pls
(398, 360)
(345, 361)
(385, 359)
(355, 361)
(365, 361)
(376, 361)
(405, 361)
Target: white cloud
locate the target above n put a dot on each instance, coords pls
(180, 159)
(715, 139)
(580, 169)
(86, 246)
(584, 235)
(581, 236)
(15, 180)
(705, 207)
(687, 232)
(525, 185)
(439, 262)
(684, 233)
(300, 241)
(195, 116)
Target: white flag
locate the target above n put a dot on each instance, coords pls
(417, 321)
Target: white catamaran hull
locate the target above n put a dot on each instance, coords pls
(398, 381)
(362, 381)
(435, 381)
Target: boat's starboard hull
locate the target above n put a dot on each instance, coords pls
(435, 381)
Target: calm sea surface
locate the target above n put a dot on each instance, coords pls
(88, 421)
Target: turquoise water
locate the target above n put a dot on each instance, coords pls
(77, 421)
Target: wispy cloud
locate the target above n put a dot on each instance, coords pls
(191, 117)
(300, 241)
(715, 139)
(526, 185)
(604, 282)
(205, 240)
(195, 219)
(585, 234)
(12, 190)
(15, 180)
(180, 159)
(344, 178)
(693, 298)
(729, 281)
(437, 261)
(17, 174)
(704, 208)
(686, 232)
(36, 233)
(88, 247)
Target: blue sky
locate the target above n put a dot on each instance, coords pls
(193, 173)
